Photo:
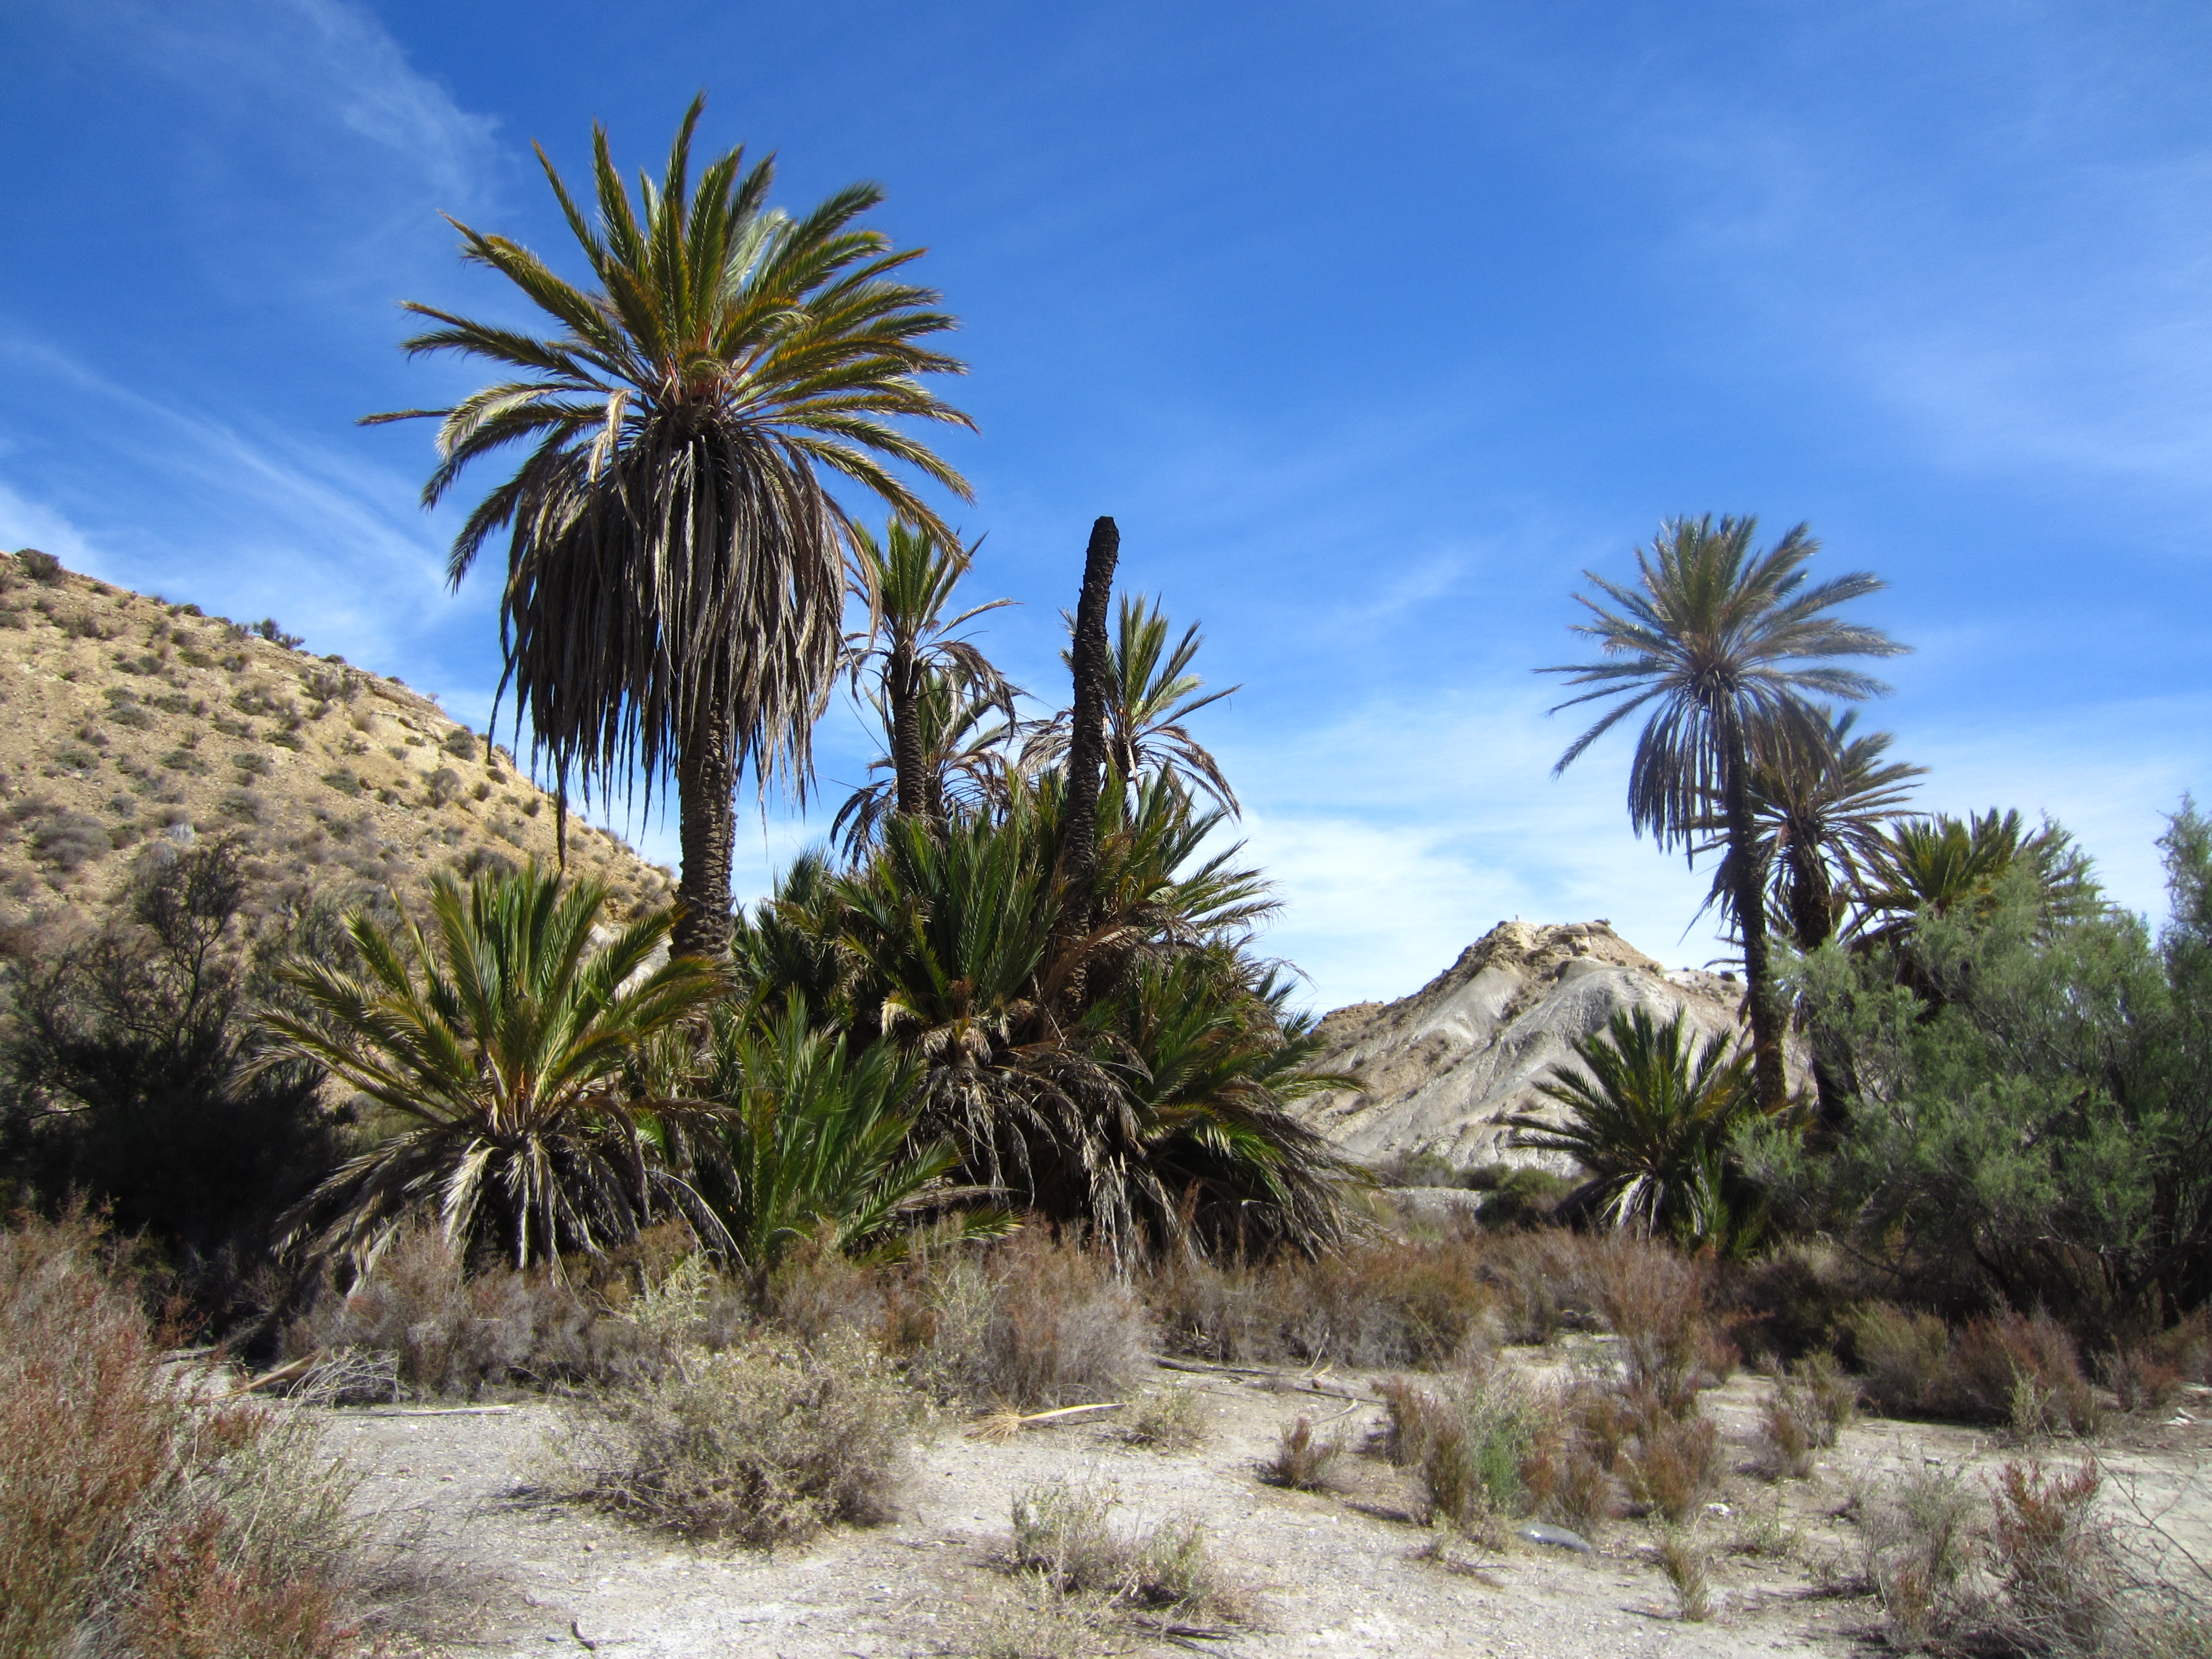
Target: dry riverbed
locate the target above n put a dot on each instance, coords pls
(1342, 1572)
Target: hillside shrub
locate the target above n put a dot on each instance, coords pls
(130, 1070)
(41, 567)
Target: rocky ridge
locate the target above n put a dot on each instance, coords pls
(1441, 1068)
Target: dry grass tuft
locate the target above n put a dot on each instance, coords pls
(1301, 1458)
(1062, 1535)
(1806, 1407)
(762, 1445)
(1688, 1568)
(1167, 1420)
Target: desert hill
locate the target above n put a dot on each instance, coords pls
(126, 722)
(1442, 1066)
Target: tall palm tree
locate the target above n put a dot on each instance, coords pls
(966, 766)
(675, 560)
(502, 1036)
(912, 574)
(1726, 645)
(1821, 809)
(1150, 693)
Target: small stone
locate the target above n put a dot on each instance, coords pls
(1542, 1532)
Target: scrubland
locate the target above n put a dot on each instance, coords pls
(1008, 1449)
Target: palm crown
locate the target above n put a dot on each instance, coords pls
(1149, 693)
(676, 564)
(1726, 646)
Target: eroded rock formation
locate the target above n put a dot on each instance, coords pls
(1443, 1066)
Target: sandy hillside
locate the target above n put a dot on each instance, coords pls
(1441, 1068)
(127, 722)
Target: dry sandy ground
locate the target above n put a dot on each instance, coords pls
(1330, 1574)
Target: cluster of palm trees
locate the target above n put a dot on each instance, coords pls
(1738, 663)
(1018, 981)
(1021, 984)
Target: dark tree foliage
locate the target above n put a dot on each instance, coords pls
(2034, 1123)
(128, 1067)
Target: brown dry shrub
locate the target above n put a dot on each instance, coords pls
(1063, 1329)
(2025, 1372)
(1032, 1322)
(1377, 1303)
(1061, 1535)
(1688, 1569)
(136, 1517)
(1652, 1299)
(1476, 1442)
(2139, 1379)
(2022, 1371)
(1674, 1465)
(1167, 1420)
(1905, 1358)
(1806, 1407)
(2053, 1558)
(1302, 1458)
(762, 1443)
(456, 1334)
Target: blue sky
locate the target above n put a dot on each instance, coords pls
(1372, 325)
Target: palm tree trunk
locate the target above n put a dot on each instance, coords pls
(1767, 1071)
(1813, 922)
(906, 760)
(707, 821)
(1086, 746)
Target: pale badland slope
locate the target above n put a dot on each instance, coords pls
(1442, 1068)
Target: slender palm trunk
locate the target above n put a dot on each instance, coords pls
(1813, 922)
(1766, 1066)
(901, 684)
(707, 820)
(1087, 747)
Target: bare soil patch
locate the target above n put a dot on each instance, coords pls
(1337, 1572)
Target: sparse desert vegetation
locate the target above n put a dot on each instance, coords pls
(966, 1203)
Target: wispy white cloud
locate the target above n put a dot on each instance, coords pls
(1400, 833)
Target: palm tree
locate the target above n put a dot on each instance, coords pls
(1820, 809)
(965, 766)
(1651, 1117)
(1726, 644)
(675, 560)
(912, 575)
(1943, 865)
(1821, 812)
(816, 1142)
(501, 1036)
(1151, 692)
(1132, 1076)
